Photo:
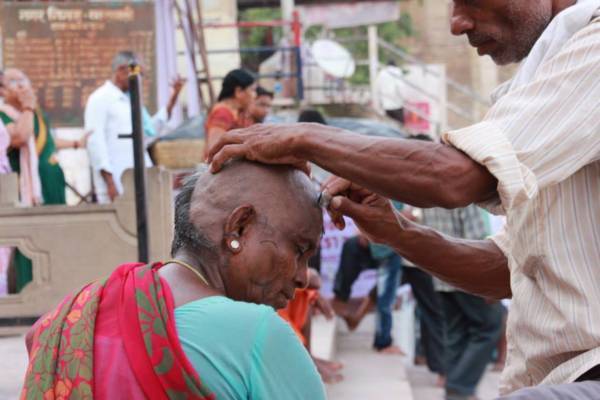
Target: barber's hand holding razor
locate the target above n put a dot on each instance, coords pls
(374, 215)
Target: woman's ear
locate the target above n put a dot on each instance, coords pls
(238, 92)
(236, 225)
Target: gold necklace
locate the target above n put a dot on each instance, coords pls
(188, 266)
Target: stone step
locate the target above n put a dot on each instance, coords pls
(367, 374)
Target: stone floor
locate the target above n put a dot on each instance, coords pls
(367, 374)
(423, 385)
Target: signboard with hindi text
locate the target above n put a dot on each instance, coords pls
(66, 49)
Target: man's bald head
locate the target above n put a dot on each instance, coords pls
(279, 194)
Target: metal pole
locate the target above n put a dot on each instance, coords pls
(141, 212)
(287, 11)
(373, 60)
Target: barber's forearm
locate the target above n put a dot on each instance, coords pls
(475, 266)
(423, 174)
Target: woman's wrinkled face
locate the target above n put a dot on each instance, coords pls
(273, 259)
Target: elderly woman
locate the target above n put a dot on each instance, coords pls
(202, 325)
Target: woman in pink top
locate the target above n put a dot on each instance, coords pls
(4, 168)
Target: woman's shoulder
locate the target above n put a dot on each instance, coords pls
(221, 109)
(227, 311)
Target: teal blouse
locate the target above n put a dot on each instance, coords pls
(246, 351)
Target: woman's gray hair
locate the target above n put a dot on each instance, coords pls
(186, 235)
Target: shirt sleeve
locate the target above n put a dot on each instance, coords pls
(281, 366)
(96, 114)
(160, 120)
(539, 134)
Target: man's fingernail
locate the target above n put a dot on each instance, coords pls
(336, 202)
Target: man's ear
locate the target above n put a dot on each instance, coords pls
(236, 225)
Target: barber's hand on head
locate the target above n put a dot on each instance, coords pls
(374, 215)
(265, 143)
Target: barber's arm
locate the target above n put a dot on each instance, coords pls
(475, 266)
(420, 173)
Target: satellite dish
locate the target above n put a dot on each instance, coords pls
(332, 58)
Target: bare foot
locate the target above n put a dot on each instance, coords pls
(392, 350)
(352, 322)
(328, 370)
(333, 365)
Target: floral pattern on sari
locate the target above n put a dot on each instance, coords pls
(61, 357)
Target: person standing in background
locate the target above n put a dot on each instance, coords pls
(5, 252)
(31, 155)
(108, 115)
(473, 325)
(260, 108)
(238, 92)
(391, 91)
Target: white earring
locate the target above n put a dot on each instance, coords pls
(235, 245)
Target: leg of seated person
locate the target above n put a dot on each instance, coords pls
(386, 297)
(432, 317)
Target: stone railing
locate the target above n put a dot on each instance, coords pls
(71, 246)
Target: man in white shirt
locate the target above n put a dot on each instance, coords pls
(391, 91)
(108, 115)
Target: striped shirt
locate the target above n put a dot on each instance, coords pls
(463, 223)
(541, 140)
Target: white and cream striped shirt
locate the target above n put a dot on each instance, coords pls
(541, 141)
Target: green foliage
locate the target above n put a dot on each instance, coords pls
(391, 32)
(259, 36)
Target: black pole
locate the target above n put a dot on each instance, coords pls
(141, 212)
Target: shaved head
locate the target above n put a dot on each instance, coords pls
(254, 225)
(274, 191)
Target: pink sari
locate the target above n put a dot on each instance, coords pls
(112, 340)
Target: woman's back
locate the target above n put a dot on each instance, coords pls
(245, 351)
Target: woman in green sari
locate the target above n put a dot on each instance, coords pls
(31, 144)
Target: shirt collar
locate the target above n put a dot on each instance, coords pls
(115, 91)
